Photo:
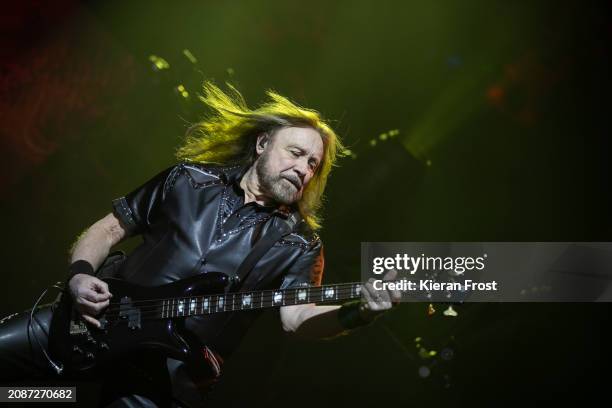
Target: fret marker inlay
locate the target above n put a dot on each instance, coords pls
(301, 295)
(246, 300)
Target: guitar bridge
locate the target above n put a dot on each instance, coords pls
(77, 327)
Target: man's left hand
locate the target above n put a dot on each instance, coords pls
(375, 301)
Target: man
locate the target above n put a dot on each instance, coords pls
(242, 173)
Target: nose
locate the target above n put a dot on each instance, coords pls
(301, 169)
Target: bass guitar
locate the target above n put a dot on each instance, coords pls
(141, 317)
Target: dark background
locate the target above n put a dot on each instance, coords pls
(502, 109)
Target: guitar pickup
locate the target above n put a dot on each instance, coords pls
(129, 312)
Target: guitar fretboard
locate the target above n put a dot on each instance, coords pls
(229, 302)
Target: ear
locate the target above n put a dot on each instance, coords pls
(262, 142)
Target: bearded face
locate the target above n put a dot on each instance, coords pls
(277, 187)
(288, 162)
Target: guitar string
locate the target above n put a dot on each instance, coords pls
(272, 292)
(267, 301)
(322, 287)
(266, 298)
(156, 313)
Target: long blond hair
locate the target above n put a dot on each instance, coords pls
(228, 136)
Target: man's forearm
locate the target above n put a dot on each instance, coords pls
(311, 321)
(94, 245)
(314, 322)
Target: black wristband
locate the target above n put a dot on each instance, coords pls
(80, 266)
(350, 316)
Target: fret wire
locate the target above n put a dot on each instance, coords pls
(347, 293)
(294, 295)
(344, 286)
(340, 297)
(170, 307)
(289, 296)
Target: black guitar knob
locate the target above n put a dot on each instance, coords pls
(103, 345)
(89, 355)
(77, 349)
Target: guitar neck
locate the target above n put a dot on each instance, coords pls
(237, 301)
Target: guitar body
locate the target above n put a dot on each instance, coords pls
(133, 321)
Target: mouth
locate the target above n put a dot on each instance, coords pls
(295, 182)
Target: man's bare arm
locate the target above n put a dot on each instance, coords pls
(310, 321)
(90, 294)
(95, 244)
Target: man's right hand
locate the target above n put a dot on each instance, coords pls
(90, 296)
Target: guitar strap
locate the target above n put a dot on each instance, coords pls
(279, 228)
